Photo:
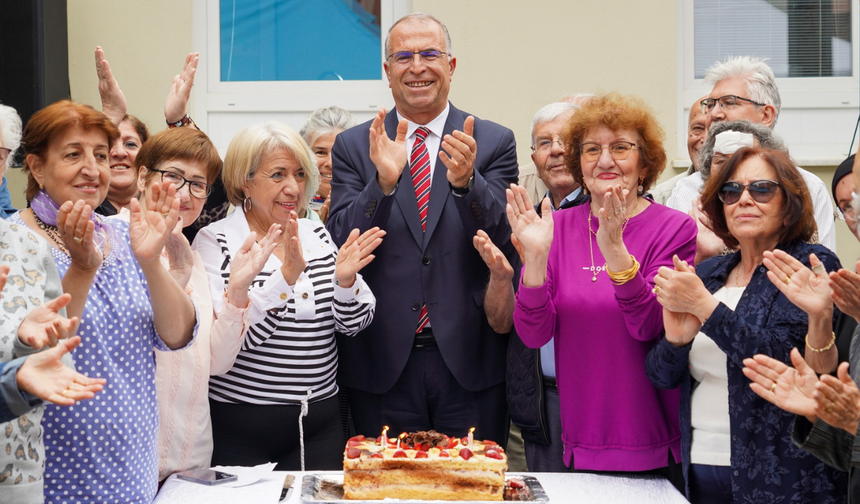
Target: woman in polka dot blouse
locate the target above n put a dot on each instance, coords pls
(103, 450)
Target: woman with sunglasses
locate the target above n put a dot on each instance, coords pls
(736, 446)
(587, 283)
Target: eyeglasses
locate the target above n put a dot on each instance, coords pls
(590, 151)
(546, 144)
(847, 211)
(761, 191)
(4, 155)
(199, 190)
(404, 58)
(728, 102)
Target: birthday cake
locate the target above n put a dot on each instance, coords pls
(424, 465)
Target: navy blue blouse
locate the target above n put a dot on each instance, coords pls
(766, 466)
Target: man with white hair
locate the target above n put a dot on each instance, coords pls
(744, 87)
(529, 176)
(10, 139)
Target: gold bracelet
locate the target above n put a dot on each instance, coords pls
(819, 350)
(622, 277)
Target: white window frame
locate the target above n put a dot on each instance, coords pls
(255, 101)
(820, 97)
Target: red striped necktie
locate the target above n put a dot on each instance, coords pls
(419, 167)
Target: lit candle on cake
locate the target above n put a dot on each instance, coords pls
(402, 435)
(471, 437)
(384, 437)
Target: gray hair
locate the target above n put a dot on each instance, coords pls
(10, 130)
(761, 83)
(577, 98)
(762, 134)
(324, 121)
(550, 113)
(424, 17)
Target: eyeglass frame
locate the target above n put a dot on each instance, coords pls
(555, 140)
(420, 53)
(746, 187)
(707, 110)
(632, 146)
(190, 183)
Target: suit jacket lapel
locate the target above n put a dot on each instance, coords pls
(405, 193)
(439, 191)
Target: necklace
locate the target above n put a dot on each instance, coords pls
(53, 233)
(594, 271)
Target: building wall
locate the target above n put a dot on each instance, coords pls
(513, 57)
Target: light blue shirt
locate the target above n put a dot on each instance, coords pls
(547, 352)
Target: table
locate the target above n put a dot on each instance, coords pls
(560, 487)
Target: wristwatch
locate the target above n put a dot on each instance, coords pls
(462, 191)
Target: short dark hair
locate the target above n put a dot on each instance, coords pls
(139, 127)
(797, 213)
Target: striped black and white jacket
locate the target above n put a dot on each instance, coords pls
(289, 347)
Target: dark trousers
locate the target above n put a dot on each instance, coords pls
(541, 458)
(710, 484)
(252, 434)
(427, 396)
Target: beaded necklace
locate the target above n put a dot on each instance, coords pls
(53, 233)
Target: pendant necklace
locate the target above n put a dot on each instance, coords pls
(592, 232)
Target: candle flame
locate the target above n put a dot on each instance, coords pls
(402, 435)
(471, 430)
(384, 429)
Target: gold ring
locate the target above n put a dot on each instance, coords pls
(829, 408)
(773, 387)
(77, 239)
(165, 214)
(64, 393)
(787, 279)
(656, 289)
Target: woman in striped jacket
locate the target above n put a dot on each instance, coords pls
(308, 290)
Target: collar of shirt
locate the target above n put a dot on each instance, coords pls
(433, 141)
(570, 197)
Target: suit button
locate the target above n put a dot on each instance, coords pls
(283, 296)
(367, 214)
(373, 203)
(416, 306)
(305, 295)
(474, 204)
(425, 261)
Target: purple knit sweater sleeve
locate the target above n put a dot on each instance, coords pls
(534, 312)
(674, 233)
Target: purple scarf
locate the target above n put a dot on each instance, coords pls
(46, 209)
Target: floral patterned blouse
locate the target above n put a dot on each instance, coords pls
(766, 465)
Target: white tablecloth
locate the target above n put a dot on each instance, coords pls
(560, 487)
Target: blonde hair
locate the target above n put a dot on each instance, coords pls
(247, 148)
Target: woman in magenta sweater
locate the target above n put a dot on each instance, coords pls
(587, 282)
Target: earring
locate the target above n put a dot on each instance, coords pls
(641, 189)
(246, 205)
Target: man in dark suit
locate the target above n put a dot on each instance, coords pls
(429, 359)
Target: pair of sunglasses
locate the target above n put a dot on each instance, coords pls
(761, 191)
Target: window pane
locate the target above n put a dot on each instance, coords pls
(300, 40)
(802, 38)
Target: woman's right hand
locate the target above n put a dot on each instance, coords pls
(248, 262)
(533, 232)
(790, 388)
(44, 326)
(76, 229)
(180, 91)
(294, 261)
(680, 290)
(838, 400)
(113, 100)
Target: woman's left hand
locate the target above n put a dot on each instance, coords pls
(838, 400)
(846, 291)
(355, 254)
(151, 228)
(248, 262)
(77, 229)
(44, 326)
(611, 217)
(323, 211)
(113, 100)
(808, 290)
